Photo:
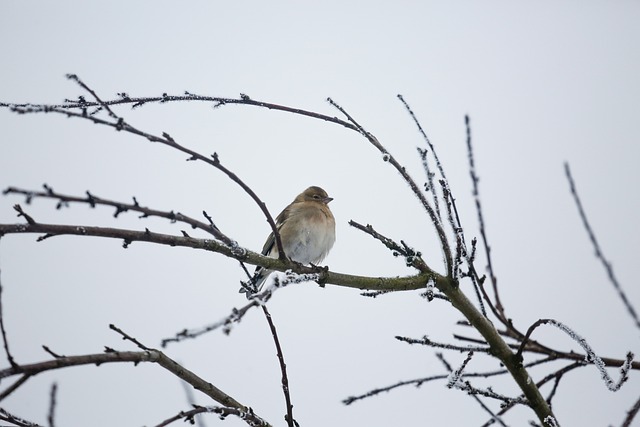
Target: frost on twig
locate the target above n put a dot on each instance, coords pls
(455, 374)
(236, 315)
(590, 357)
(223, 412)
(426, 341)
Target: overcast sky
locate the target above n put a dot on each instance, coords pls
(543, 82)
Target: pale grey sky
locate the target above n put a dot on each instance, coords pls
(543, 83)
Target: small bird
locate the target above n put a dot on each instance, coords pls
(307, 231)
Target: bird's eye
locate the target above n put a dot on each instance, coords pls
(315, 196)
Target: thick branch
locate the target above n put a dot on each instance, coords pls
(407, 283)
(499, 348)
(150, 355)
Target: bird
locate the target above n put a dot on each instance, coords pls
(307, 231)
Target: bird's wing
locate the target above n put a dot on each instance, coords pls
(271, 240)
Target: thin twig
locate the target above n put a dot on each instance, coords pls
(52, 405)
(539, 384)
(15, 420)
(631, 414)
(127, 337)
(417, 382)
(424, 135)
(135, 102)
(236, 315)
(426, 341)
(451, 206)
(111, 356)
(429, 186)
(461, 248)
(191, 400)
(166, 139)
(23, 214)
(483, 232)
(13, 387)
(92, 200)
(590, 354)
(12, 361)
(189, 416)
(76, 79)
(455, 375)
(554, 389)
(592, 237)
(477, 398)
(291, 422)
(51, 352)
(412, 257)
(387, 157)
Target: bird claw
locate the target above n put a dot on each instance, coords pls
(320, 269)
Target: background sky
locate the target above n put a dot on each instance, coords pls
(543, 83)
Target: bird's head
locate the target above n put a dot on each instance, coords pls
(314, 194)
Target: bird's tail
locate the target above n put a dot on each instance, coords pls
(256, 283)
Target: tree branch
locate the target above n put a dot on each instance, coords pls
(5, 341)
(151, 355)
(120, 207)
(592, 237)
(360, 282)
(387, 157)
(291, 422)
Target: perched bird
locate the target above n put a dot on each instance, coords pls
(307, 231)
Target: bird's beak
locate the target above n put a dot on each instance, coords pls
(326, 200)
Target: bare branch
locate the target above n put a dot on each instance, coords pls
(592, 237)
(235, 316)
(23, 214)
(590, 357)
(387, 157)
(248, 416)
(631, 414)
(483, 232)
(454, 378)
(291, 422)
(83, 105)
(150, 355)
(188, 391)
(360, 282)
(461, 249)
(488, 392)
(426, 341)
(539, 384)
(429, 186)
(48, 350)
(17, 421)
(166, 139)
(417, 382)
(412, 257)
(76, 79)
(447, 284)
(455, 375)
(424, 135)
(13, 387)
(92, 200)
(52, 404)
(12, 361)
(127, 337)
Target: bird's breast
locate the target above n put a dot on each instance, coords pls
(312, 240)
